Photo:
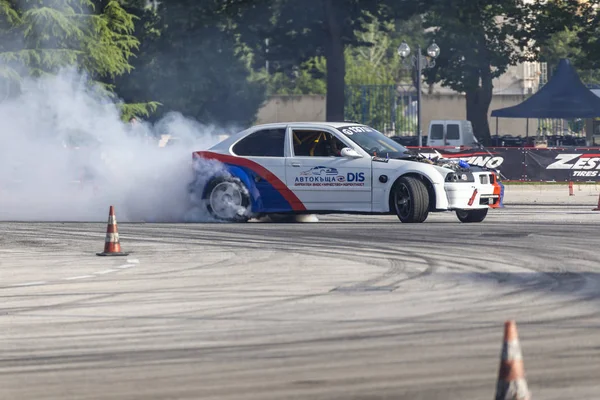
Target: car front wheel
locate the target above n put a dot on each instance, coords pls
(410, 200)
(472, 215)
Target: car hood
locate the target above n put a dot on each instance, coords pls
(441, 164)
(393, 163)
(424, 165)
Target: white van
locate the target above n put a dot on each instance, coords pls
(451, 133)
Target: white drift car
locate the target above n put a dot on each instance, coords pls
(324, 168)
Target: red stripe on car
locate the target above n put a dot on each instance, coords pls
(261, 171)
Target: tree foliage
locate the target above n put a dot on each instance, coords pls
(40, 37)
(568, 29)
(193, 62)
(478, 41)
(307, 78)
(298, 31)
(208, 58)
(374, 60)
(67, 32)
(588, 32)
(565, 44)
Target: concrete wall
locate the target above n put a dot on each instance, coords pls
(436, 106)
(453, 106)
(292, 109)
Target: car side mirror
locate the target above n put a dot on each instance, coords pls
(350, 153)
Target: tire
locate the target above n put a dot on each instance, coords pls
(227, 199)
(468, 216)
(410, 200)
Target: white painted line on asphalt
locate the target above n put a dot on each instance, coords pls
(30, 283)
(106, 271)
(133, 261)
(72, 278)
(126, 266)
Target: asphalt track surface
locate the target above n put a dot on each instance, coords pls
(346, 308)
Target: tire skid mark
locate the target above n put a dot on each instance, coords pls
(60, 305)
(130, 264)
(338, 247)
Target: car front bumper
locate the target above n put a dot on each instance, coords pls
(469, 195)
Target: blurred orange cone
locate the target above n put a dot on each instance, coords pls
(112, 246)
(511, 377)
(598, 206)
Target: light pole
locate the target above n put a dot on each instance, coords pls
(419, 62)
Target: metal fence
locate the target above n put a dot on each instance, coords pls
(387, 108)
(393, 111)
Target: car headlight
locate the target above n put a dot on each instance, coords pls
(460, 177)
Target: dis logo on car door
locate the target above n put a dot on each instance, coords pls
(323, 176)
(356, 177)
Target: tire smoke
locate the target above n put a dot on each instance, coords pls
(66, 156)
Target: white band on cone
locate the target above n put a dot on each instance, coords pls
(512, 351)
(514, 390)
(112, 238)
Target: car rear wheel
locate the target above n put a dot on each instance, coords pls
(410, 200)
(228, 200)
(472, 215)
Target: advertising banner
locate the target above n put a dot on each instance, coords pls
(529, 164)
(509, 162)
(562, 164)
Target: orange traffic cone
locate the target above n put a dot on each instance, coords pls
(598, 206)
(112, 247)
(571, 193)
(511, 376)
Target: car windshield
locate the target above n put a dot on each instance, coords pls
(374, 142)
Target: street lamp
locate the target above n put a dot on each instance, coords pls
(419, 62)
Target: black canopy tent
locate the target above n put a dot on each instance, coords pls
(563, 97)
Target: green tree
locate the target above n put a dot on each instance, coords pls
(587, 19)
(298, 31)
(560, 45)
(374, 60)
(194, 63)
(479, 40)
(373, 68)
(41, 37)
(567, 29)
(566, 44)
(129, 86)
(308, 78)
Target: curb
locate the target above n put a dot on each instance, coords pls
(506, 205)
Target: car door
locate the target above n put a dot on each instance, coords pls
(320, 177)
(264, 151)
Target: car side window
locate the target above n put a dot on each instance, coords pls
(263, 143)
(315, 143)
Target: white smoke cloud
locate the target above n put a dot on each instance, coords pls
(65, 155)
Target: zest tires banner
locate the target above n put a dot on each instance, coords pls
(563, 164)
(529, 164)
